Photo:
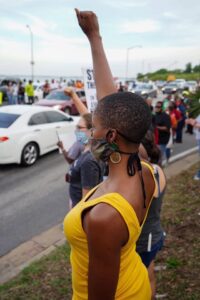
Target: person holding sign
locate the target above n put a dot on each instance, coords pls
(75, 150)
(104, 226)
(85, 172)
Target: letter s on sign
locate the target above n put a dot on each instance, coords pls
(89, 74)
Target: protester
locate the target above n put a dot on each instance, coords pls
(104, 227)
(73, 153)
(21, 93)
(196, 125)
(76, 149)
(15, 94)
(30, 92)
(163, 125)
(53, 85)
(166, 102)
(10, 93)
(152, 235)
(121, 87)
(181, 123)
(85, 172)
(46, 89)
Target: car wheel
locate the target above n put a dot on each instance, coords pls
(30, 154)
(67, 111)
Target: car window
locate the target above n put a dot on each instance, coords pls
(54, 116)
(6, 119)
(81, 93)
(37, 119)
(57, 96)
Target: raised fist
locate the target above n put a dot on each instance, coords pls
(88, 22)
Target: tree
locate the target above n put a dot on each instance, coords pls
(161, 71)
(194, 110)
(196, 69)
(188, 68)
(140, 76)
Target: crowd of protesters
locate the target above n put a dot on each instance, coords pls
(23, 92)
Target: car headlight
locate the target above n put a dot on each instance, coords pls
(143, 92)
(57, 107)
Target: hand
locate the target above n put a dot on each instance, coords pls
(69, 91)
(190, 121)
(88, 22)
(60, 145)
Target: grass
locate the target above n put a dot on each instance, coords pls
(181, 253)
(50, 278)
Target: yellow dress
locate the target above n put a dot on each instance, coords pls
(133, 283)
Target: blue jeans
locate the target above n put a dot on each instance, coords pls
(163, 151)
(10, 99)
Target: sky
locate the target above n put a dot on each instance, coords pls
(153, 34)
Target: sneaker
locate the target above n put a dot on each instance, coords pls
(196, 177)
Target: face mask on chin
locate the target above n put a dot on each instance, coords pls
(81, 137)
(102, 149)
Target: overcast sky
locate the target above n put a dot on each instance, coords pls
(168, 32)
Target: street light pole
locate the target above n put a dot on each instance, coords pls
(32, 59)
(127, 58)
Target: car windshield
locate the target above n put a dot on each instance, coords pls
(57, 96)
(6, 119)
(173, 85)
(143, 87)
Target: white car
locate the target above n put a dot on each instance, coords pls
(180, 82)
(27, 132)
(191, 86)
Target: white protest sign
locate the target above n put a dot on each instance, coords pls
(90, 89)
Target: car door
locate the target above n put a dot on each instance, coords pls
(42, 132)
(63, 126)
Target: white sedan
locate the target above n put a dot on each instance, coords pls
(27, 132)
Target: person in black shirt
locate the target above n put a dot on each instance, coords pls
(163, 124)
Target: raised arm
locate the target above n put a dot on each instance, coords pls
(82, 109)
(103, 76)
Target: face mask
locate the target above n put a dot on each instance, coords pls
(102, 149)
(81, 137)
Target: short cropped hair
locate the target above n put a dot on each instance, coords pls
(126, 112)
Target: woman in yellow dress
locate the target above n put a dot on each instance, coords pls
(103, 227)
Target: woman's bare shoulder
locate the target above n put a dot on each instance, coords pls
(104, 219)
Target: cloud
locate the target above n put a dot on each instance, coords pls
(125, 4)
(170, 15)
(10, 25)
(45, 31)
(140, 26)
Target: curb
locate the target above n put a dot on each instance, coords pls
(12, 263)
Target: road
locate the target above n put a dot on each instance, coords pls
(31, 199)
(36, 198)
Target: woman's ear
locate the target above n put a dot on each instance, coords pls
(112, 135)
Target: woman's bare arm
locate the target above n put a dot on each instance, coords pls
(106, 234)
(103, 76)
(82, 109)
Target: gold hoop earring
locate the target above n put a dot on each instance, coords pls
(115, 157)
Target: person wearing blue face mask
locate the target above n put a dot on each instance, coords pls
(85, 172)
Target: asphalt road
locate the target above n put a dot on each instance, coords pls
(31, 199)
(34, 199)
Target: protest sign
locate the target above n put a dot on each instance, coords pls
(90, 89)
